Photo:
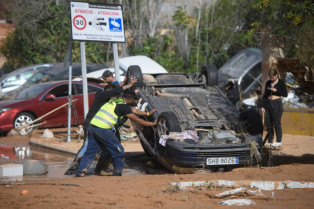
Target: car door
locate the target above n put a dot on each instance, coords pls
(59, 117)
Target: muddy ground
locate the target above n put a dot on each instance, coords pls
(295, 162)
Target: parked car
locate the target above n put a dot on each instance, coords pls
(56, 72)
(245, 70)
(19, 76)
(38, 100)
(146, 64)
(197, 126)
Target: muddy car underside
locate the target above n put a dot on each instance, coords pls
(185, 104)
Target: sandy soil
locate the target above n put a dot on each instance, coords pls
(294, 162)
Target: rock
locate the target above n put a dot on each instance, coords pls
(34, 167)
(13, 132)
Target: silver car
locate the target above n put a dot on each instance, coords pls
(18, 77)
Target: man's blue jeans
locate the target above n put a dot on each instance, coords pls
(97, 138)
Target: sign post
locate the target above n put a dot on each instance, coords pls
(96, 22)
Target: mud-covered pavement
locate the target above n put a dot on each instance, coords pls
(141, 190)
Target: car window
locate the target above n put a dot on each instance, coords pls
(252, 80)
(91, 88)
(32, 92)
(60, 91)
(42, 68)
(11, 80)
(38, 78)
(27, 75)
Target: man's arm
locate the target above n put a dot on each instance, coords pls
(133, 80)
(142, 113)
(139, 121)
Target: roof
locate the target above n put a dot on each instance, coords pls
(146, 64)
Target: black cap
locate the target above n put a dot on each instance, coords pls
(107, 73)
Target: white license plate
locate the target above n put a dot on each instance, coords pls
(222, 161)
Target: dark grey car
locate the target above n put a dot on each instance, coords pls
(198, 127)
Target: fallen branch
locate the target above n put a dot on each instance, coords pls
(52, 111)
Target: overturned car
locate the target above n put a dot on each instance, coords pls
(198, 127)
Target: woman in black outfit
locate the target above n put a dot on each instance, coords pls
(275, 88)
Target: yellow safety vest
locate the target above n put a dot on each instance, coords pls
(106, 117)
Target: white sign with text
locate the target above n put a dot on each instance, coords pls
(97, 22)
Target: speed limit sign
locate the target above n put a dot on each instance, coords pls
(79, 22)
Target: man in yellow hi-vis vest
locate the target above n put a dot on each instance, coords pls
(101, 132)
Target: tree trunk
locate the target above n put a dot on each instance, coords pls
(272, 49)
(153, 19)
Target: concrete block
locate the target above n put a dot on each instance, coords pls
(11, 170)
(34, 167)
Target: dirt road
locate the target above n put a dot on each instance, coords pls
(295, 162)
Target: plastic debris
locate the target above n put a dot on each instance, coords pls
(24, 192)
(48, 134)
(238, 202)
(179, 136)
(128, 136)
(243, 191)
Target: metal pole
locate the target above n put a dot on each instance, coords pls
(70, 93)
(84, 78)
(116, 61)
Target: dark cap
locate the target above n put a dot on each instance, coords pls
(107, 73)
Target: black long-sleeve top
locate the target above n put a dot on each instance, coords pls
(281, 90)
(101, 98)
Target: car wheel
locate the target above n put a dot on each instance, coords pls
(135, 70)
(167, 122)
(211, 74)
(22, 119)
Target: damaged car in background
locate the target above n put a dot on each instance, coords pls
(198, 128)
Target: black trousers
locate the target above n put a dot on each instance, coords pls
(274, 111)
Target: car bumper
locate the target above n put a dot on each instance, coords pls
(6, 121)
(195, 156)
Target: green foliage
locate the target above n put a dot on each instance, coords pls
(183, 19)
(45, 37)
(291, 19)
(161, 49)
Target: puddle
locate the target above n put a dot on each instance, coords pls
(58, 163)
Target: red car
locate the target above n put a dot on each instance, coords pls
(40, 99)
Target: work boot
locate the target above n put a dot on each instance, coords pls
(79, 174)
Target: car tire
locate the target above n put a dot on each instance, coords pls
(135, 70)
(211, 74)
(22, 119)
(167, 122)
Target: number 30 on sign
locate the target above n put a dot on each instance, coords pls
(79, 22)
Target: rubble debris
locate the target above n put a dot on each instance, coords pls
(242, 191)
(238, 202)
(8, 170)
(263, 185)
(48, 134)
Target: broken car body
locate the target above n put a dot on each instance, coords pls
(198, 127)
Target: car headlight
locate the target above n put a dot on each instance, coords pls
(4, 109)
